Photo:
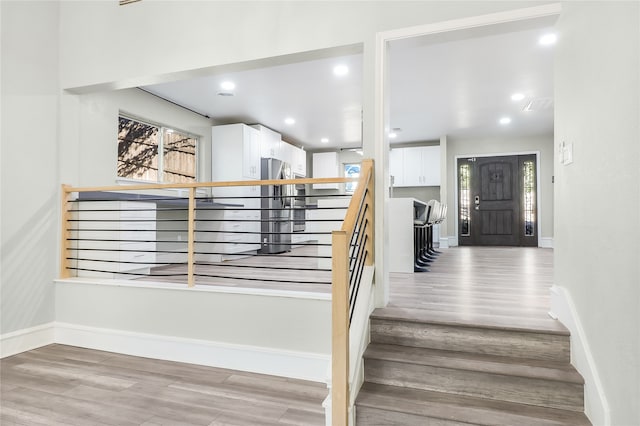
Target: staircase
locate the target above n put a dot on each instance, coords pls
(436, 368)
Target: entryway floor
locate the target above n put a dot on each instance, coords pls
(496, 285)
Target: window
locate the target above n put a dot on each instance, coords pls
(351, 170)
(139, 144)
(529, 191)
(464, 182)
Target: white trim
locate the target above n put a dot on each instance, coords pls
(444, 242)
(196, 288)
(297, 365)
(500, 154)
(545, 242)
(293, 364)
(26, 339)
(472, 22)
(595, 401)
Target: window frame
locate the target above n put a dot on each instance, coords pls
(344, 172)
(161, 129)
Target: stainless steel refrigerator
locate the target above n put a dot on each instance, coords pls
(276, 205)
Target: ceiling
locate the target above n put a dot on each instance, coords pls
(459, 88)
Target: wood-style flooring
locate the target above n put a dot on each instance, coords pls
(481, 284)
(65, 385)
(296, 270)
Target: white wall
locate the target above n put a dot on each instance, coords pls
(597, 207)
(285, 323)
(504, 144)
(103, 43)
(29, 170)
(111, 46)
(93, 139)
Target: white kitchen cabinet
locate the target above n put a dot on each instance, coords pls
(117, 237)
(296, 157)
(325, 165)
(396, 165)
(415, 166)
(299, 162)
(270, 143)
(287, 151)
(221, 233)
(236, 226)
(235, 153)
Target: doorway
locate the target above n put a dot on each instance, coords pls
(497, 201)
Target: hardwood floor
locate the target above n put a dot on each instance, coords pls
(471, 342)
(65, 385)
(296, 270)
(500, 284)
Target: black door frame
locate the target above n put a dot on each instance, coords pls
(456, 198)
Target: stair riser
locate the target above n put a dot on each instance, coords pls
(532, 391)
(542, 346)
(373, 416)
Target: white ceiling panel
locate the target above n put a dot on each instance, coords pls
(459, 88)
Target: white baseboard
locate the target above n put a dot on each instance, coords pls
(595, 401)
(453, 241)
(298, 365)
(444, 242)
(26, 339)
(545, 242)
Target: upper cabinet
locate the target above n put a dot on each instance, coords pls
(237, 149)
(272, 146)
(415, 166)
(270, 143)
(325, 165)
(235, 153)
(297, 158)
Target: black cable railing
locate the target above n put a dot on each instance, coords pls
(140, 236)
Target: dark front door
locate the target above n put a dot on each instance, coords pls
(497, 201)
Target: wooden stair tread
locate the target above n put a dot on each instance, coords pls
(458, 408)
(506, 366)
(548, 326)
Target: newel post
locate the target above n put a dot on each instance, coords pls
(191, 237)
(340, 329)
(65, 234)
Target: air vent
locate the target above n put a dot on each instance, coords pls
(539, 104)
(124, 2)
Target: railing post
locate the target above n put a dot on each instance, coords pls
(370, 215)
(191, 237)
(340, 328)
(64, 231)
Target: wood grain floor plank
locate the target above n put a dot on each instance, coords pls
(302, 418)
(86, 388)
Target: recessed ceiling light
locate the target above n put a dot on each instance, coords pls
(290, 121)
(340, 70)
(393, 135)
(227, 85)
(505, 120)
(324, 140)
(517, 97)
(548, 39)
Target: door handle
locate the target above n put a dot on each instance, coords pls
(477, 202)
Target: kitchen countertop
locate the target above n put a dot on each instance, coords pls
(162, 200)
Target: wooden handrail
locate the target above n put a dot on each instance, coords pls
(340, 395)
(143, 187)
